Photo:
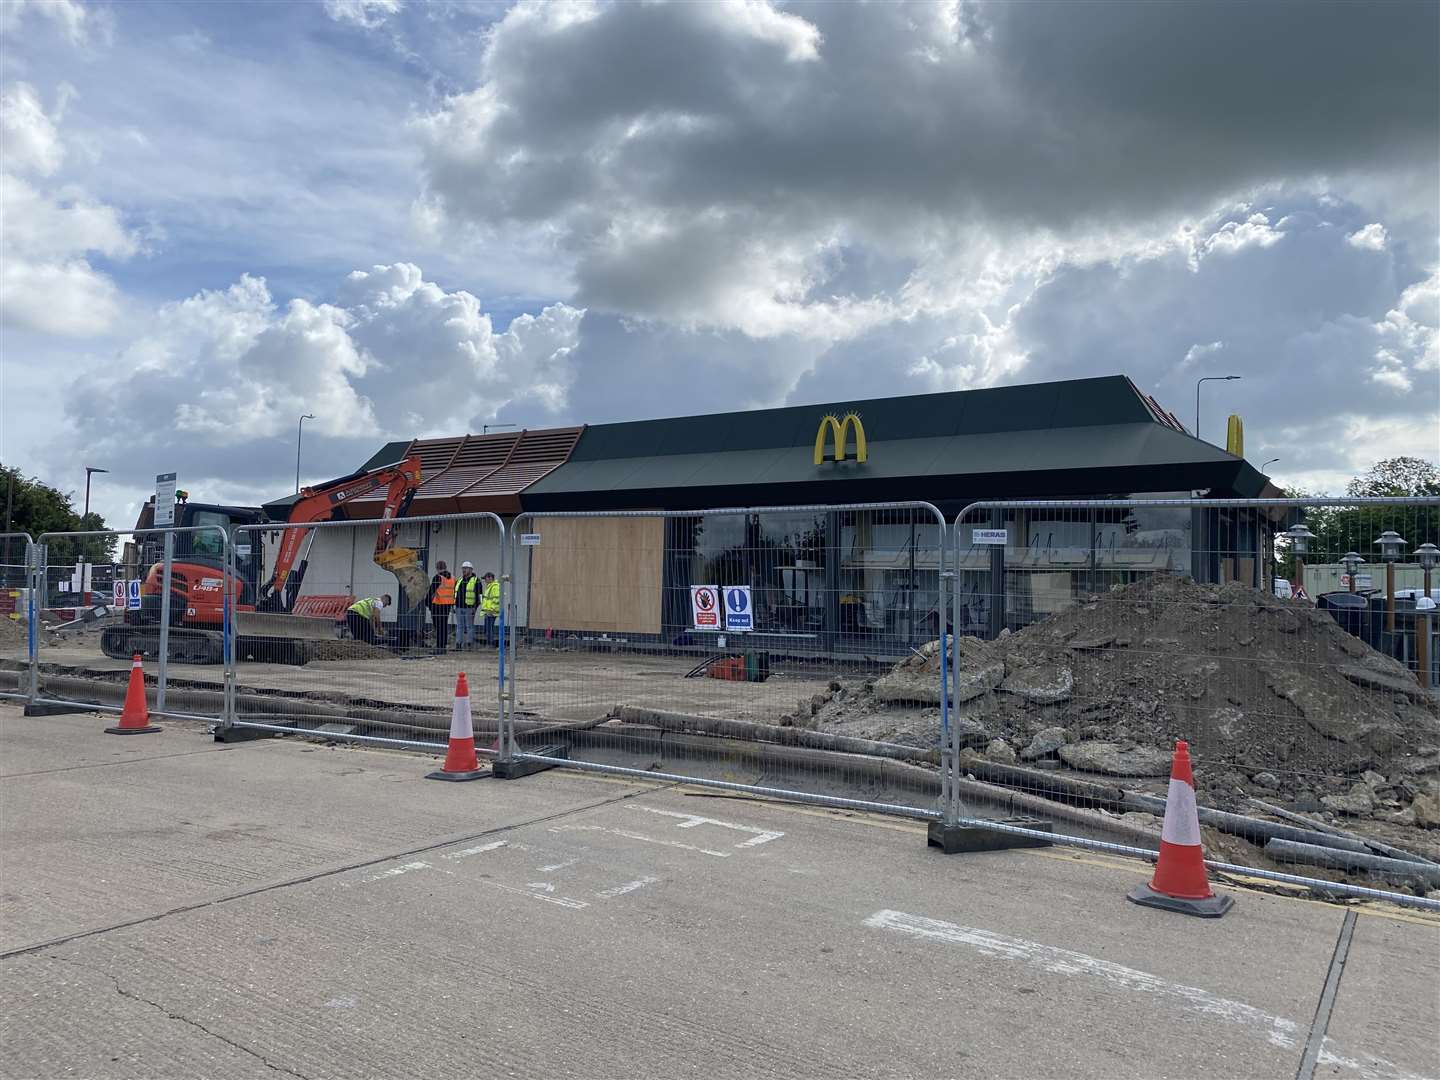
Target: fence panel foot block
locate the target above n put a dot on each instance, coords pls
(954, 839)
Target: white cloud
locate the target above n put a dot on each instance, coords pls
(1371, 238)
(50, 229)
(393, 356)
(31, 142)
(76, 20)
(366, 13)
(1199, 352)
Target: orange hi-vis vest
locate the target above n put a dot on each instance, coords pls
(444, 592)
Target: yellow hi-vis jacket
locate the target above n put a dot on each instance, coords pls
(490, 600)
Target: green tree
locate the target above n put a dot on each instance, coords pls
(35, 507)
(1341, 529)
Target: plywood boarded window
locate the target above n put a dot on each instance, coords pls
(601, 574)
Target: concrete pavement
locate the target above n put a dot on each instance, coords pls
(173, 907)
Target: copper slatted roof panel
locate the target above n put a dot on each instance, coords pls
(538, 453)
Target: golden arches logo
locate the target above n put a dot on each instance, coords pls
(840, 430)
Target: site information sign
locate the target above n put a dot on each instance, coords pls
(989, 536)
(739, 618)
(705, 607)
(164, 500)
(529, 539)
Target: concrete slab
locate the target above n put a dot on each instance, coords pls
(603, 928)
(130, 830)
(1388, 1004)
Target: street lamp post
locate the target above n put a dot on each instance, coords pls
(1352, 563)
(299, 432)
(1299, 537)
(1428, 556)
(1268, 464)
(90, 470)
(1390, 543)
(1205, 379)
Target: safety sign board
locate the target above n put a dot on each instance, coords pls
(165, 500)
(132, 594)
(530, 539)
(989, 536)
(118, 599)
(705, 607)
(738, 615)
(1362, 581)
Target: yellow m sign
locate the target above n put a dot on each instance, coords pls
(840, 430)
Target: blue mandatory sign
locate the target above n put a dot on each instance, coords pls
(132, 594)
(739, 618)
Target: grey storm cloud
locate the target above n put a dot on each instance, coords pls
(672, 143)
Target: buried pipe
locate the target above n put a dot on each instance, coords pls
(1396, 871)
(1254, 829)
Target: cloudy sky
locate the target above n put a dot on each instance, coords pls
(418, 218)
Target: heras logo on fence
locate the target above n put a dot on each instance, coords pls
(704, 607)
(839, 430)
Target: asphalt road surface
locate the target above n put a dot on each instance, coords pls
(173, 907)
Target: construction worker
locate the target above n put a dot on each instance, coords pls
(441, 599)
(490, 607)
(363, 618)
(468, 594)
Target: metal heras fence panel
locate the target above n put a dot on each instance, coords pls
(18, 628)
(792, 651)
(105, 596)
(358, 630)
(1290, 642)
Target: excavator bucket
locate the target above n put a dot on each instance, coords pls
(404, 563)
(264, 624)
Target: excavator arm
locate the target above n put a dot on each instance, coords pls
(324, 502)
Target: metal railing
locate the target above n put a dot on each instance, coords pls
(1093, 634)
(25, 686)
(1035, 657)
(80, 641)
(749, 649)
(304, 664)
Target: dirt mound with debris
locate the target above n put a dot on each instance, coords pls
(12, 634)
(1275, 698)
(343, 649)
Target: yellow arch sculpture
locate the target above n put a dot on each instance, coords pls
(840, 430)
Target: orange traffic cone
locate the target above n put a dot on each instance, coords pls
(134, 717)
(1180, 883)
(460, 760)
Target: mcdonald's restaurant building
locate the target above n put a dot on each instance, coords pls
(826, 576)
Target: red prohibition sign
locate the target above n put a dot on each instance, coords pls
(704, 599)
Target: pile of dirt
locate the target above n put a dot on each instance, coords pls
(1275, 698)
(344, 649)
(12, 634)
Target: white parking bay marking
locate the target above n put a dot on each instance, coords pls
(640, 836)
(690, 821)
(1280, 1031)
(396, 871)
(628, 887)
(480, 850)
(1277, 1030)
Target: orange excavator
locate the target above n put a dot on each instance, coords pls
(261, 604)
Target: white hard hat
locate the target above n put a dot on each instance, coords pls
(467, 565)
